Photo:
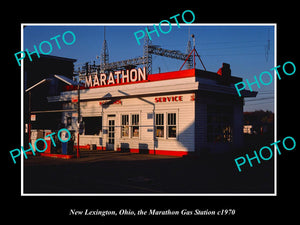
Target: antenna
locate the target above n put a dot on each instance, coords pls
(194, 56)
(104, 59)
(193, 36)
(267, 47)
(188, 50)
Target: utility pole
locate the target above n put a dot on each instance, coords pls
(78, 119)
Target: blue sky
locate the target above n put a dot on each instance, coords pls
(245, 48)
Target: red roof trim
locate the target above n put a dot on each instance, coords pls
(172, 75)
(151, 78)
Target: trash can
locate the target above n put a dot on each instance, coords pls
(48, 141)
(56, 147)
(37, 134)
(67, 147)
(33, 137)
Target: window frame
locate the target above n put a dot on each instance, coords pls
(220, 123)
(171, 125)
(125, 125)
(134, 125)
(87, 120)
(160, 125)
(166, 125)
(130, 125)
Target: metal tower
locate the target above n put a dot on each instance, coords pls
(104, 59)
(146, 59)
(194, 56)
(146, 56)
(189, 64)
(188, 50)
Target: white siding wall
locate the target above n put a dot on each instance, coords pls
(144, 106)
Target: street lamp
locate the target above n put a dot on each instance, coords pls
(29, 103)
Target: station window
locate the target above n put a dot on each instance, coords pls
(125, 126)
(166, 122)
(219, 124)
(159, 124)
(135, 125)
(92, 125)
(171, 126)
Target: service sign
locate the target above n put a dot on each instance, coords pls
(175, 98)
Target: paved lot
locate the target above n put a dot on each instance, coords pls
(114, 172)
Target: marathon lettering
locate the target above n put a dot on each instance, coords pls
(118, 77)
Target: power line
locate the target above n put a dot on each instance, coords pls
(259, 103)
(259, 99)
(228, 42)
(233, 47)
(222, 54)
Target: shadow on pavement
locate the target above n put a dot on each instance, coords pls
(115, 172)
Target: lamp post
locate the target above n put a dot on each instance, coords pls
(29, 103)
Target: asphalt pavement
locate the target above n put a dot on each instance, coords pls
(108, 172)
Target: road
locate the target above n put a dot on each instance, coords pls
(103, 172)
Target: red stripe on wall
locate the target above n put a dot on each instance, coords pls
(150, 151)
(158, 152)
(61, 156)
(167, 152)
(89, 147)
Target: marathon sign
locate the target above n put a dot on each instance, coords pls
(116, 77)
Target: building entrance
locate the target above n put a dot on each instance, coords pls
(111, 134)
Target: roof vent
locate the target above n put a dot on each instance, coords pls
(225, 70)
